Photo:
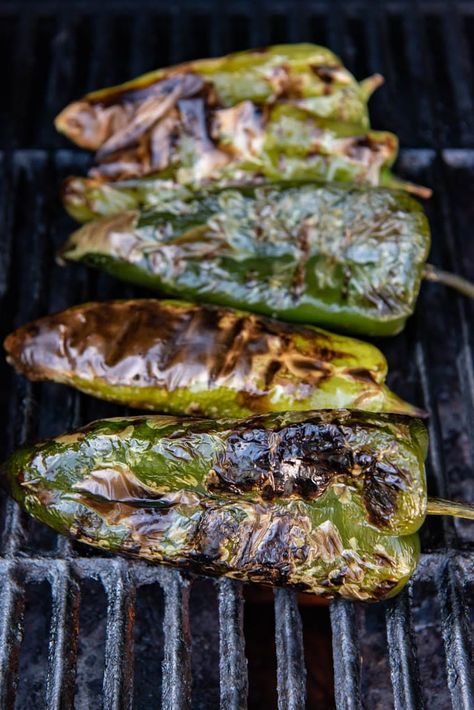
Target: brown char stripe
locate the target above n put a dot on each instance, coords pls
(228, 343)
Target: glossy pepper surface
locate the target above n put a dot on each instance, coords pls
(183, 358)
(325, 502)
(331, 255)
(286, 112)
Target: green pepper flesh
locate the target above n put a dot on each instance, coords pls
(341, 257)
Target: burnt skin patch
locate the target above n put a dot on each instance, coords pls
(264, 542)
(302, 461)
(246, 462)
(382, 485)
(325, 72)
(299, 460)
(382, 589)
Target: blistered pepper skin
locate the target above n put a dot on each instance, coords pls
(341, 257)
(325, 502)
(307, 76)
(323, 155)
(182, 358)
(287, 112)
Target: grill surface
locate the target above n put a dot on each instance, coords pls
(130, 635)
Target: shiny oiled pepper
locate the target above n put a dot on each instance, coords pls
(202, 360)
(286, 112)
(342, 257)
(326, 502)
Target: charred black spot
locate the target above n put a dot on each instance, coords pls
(273, 367)
(324, 72)
(246, 463)
(381, 590)
(264, 546)
(298, 460)
(309, 365)
(214, 530)
(302, 587)
(382, 484)
(383, 560)
(362, 375)
(222, 363)
(162, 86)
(337, 577)
(358, 147)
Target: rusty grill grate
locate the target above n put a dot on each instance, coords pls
(411, 652)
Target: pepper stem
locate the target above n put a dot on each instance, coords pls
(396, 183)
(458, 283)
(439, 506)
(369, 85)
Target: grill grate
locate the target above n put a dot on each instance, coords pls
(415, 650)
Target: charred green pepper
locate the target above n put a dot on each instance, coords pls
(187, 359)
(326, 502)
(338, 256)
(286, 112)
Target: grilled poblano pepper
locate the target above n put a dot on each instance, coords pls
(326, 502)
(286, 112)
(202, 360)
(332, 255)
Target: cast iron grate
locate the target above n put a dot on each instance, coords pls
(411, 652)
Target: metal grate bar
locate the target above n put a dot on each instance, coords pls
(457, 642)
(215, 35)
(291, 672)
(22, 70)
(346, 657)
(63, 638)
(177, 658)
(423, 98)
(465, 360)
(401, 651)
(12, 606)
(177, 36)
(335, 27)
(6, 234)
(460, 72)
(35, 569)
(258, 27)
(99, 64)
(436, 450)
(118, 671)
(13, 529)
(141, 51)
(60, 75)
(233, 663)
(21, 420)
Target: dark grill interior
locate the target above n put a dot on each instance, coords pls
(79, 629)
